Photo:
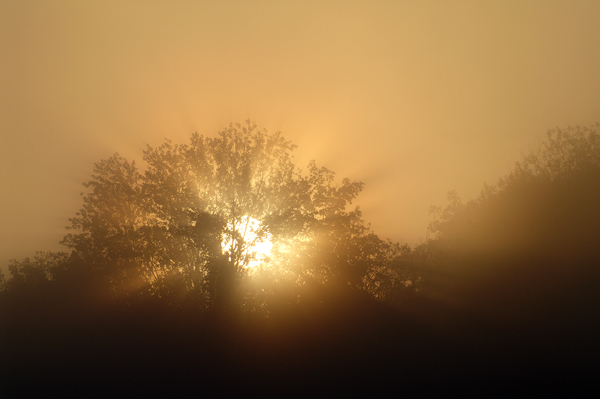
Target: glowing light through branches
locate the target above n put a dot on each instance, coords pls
(247, 241)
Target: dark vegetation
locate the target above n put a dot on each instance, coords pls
(502, 299)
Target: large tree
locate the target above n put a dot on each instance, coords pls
(190, 227)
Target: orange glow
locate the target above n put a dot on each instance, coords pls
(412, 98)
(248, 237)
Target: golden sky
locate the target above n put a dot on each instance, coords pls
(414, 98)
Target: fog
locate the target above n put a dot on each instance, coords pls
(202, 262)
(413, 99)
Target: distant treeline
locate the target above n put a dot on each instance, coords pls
(502, 298)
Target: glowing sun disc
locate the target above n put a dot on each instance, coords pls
(247, 229)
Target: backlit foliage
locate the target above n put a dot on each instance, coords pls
(160, 233)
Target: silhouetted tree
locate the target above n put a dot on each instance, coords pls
(181, 230)
(32, 274)
(108, 226)
(525, 252)
(551, 192)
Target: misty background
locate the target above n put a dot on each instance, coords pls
(412, 98)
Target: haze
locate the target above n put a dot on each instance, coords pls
(412, 98)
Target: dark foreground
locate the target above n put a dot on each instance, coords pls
(348, 345)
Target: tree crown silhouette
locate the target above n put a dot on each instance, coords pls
(187, 227)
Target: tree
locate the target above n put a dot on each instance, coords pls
(566, 153)
(187, 229)
(525, 251)
(548, 200)
(109, 226)
(31, 274)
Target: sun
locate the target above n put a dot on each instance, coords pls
(250, 239)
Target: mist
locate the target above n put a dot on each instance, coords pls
(423, 176)
(412, 99)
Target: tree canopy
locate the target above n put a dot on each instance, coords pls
(525, 251)
(186, 228)
(551, 194)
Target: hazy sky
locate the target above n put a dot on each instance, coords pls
(414, 98)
